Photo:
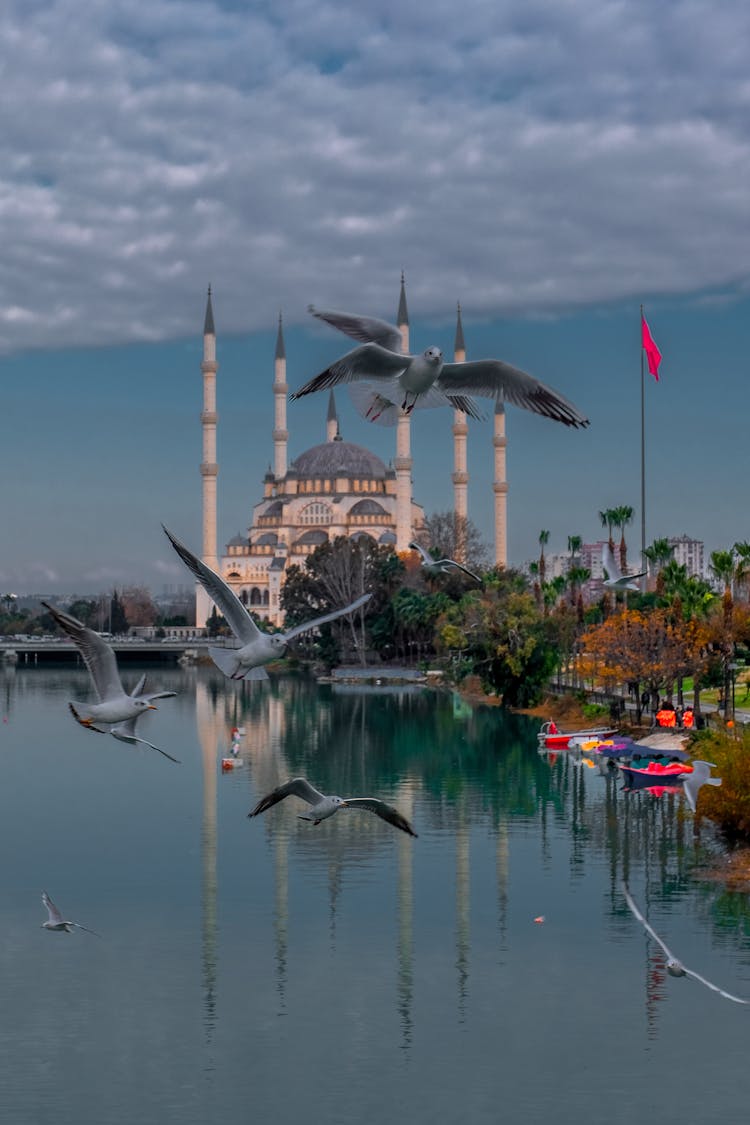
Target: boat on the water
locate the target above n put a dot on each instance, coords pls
(655, 773)
(552, 738)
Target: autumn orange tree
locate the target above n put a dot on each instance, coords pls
(651, 650)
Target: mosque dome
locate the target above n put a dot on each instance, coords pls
(368, 507)
(339, 459)
(237, 541)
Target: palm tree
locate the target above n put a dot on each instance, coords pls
(534, 571)
(575, 542)
(657, 555)
(623, 516)
(543, 541)
(607, 520)
(742, 564)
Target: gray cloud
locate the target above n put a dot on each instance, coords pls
(525, 157)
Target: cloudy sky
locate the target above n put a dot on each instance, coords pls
(549, 163)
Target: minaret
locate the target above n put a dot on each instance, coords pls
(460, 430)
(403, 461)
(332, 419)
(280, 388)
(209, 468)
(500, 488)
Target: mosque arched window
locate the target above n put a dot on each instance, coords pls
(316, 513)
(243, 597)
(255, 598)
(265, 597)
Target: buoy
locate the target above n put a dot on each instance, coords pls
(539, 919)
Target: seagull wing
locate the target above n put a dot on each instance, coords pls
(381, 809)
(692, 782)
(297, 787)
(428, 559)
(78, 926)
(463, 402)
(715, 987)
(491, 378)
(366, 329)
(97, 654)
(368, 362)
(610, 564)
(54, 914)
(649, 929)
(327, 617)
(459, 566)
(159, 695)
(125, 732)
(237, 617)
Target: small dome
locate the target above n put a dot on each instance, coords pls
(338, 458)
(238, 541)
(267, 539)
(367, 508)
(387, 538)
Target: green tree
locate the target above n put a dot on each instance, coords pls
(118, 622)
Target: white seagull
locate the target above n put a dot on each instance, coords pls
(56, 921)
(256, 647)
(691, 782)
(441, 566)
(115, 710)
(323, 806)
(675, 967)
(405, 381)
(615, 579)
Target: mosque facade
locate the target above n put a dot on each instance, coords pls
(335, 488)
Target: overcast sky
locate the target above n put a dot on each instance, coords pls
(550, 164)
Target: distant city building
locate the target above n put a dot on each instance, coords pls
(689, 553)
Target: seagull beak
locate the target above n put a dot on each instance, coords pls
(152, 708)
(344, 805)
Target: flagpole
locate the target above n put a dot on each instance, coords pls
(643, 459)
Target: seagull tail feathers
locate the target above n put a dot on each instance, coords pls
(225, 659)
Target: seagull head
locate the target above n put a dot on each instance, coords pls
(144, 705)
(278, 641)
(433, 355)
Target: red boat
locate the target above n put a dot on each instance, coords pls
(655, 773)
(552, 738)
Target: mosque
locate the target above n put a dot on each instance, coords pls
(335, 488)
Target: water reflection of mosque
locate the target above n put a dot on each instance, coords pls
(348, 741)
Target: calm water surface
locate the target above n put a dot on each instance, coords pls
(267, 969)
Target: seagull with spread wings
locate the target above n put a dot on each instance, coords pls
(55, 920)
(615, 579)
(405, 382)
(675, 967)
(441, 566)
(322, 806)
(116, 710)
(256, 647)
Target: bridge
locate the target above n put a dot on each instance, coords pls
(129, 650)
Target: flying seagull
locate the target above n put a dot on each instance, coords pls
(407, 381)
(441, 566)
(372, 403)
(116, 710)
(675, 967)
(56, 921)
(322, 806)
(691, 782)
(256, 648)
(615, 579)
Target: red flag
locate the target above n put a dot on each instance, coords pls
(653, 354)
